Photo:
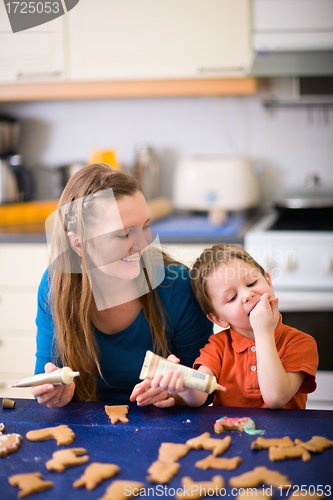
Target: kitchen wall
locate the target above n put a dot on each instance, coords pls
(288, 144)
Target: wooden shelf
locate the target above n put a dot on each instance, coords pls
(124, 89)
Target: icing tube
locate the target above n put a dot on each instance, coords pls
(61, 376)
(155, 365)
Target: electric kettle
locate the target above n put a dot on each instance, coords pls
(16, 182)
(9, 130)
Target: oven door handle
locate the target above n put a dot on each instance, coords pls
(304, 300)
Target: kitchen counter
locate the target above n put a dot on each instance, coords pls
(134, 446)
(173, 229)
(23, 233)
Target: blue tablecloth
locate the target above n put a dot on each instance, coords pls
(134, 446)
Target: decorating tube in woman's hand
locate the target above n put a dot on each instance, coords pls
(63, 376)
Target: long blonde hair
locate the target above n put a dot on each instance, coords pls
(71, 293)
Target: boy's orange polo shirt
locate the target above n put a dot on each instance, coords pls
(232, 359)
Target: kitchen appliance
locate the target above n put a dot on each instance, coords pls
(16, 182)
(295, 245)
(8, 139)
(204, 183)
(292, 38)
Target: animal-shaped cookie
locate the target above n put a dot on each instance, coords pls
(94, 474)
(308, 495)
(212, 462)
(8, 442)
(162, 472)
(62, 434)
(207, 443)
(258, 476)
(316, 444)
(260, 494)
(262, 443)
(120, 490)
(172, 452)
(297, 451)
(66, 458)
(192, 489)
(117, 413)
(29, 483)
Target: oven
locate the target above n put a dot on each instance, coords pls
(296, 247)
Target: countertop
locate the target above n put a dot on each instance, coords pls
(134, 446)
(176, 228)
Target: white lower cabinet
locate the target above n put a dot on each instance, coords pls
(21, 268)
(185, 253)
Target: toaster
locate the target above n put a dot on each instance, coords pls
(226, 183)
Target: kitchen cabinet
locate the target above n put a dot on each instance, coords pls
(21, 269)
(112, 49)
(168, 39)
(187, 254)
(34, 55)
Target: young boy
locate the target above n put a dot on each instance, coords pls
(260, 361)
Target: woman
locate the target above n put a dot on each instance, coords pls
(97, 312)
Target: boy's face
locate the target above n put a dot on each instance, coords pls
(235, 289)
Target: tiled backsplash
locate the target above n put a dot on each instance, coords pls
(288, 143)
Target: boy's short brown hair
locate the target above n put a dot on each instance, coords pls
(208, 261)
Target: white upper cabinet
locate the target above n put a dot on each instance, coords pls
(164, 39)
(34, 55)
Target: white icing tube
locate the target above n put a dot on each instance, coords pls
(156, 365)
(62, 376)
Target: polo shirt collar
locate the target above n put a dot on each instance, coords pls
(241, 343)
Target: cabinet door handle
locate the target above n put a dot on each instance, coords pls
(41, 74)
(217, 69)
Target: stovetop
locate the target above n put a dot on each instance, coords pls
(303, 219)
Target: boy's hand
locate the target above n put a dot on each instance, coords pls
(265, 316)
(172, 381)
(151, 391)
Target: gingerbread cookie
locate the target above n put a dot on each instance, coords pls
(120, 490)
(162, 472)
(171, 452)
(212, 462)
(8, 442)
(306, 495)
(207, 443)
(316, 444)
(261, 443)
(94, 474)
(117, 413)
(261, 494)
(244, 424)
(66, 458)
(258, 476)
(29, 483)
(62, 434)
(200, 490)
(297, 451)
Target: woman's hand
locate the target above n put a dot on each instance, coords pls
(53, 396)
(151, 391)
